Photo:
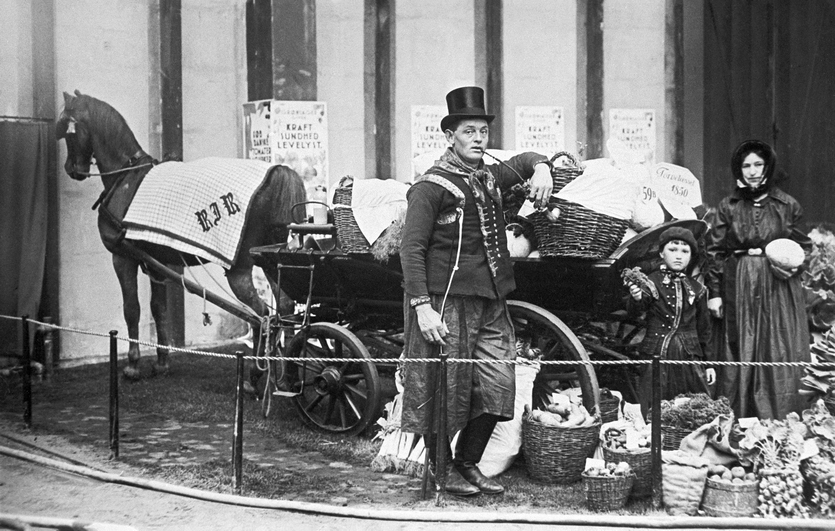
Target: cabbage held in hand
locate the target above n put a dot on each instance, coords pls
(785, 254)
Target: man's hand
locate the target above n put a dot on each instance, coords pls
(714, 306)
(542, 184)
(635, 291)
(432, 327)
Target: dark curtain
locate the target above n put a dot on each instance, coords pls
(24, 160)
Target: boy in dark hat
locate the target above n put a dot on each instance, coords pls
(678, 324)
(456, 263)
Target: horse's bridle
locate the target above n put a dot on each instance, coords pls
(130, 164)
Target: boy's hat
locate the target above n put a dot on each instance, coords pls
(677, 233)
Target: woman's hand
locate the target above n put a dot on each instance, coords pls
(542, 184)
(714, 306)
(782, 274)
(432, 327)
(710, 374)
(635, 291)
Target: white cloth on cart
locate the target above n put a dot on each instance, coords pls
(197, 207)
(376, 204)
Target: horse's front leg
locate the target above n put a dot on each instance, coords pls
(126, 270)
(159, 309)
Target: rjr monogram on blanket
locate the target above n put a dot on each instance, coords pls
(214, 210)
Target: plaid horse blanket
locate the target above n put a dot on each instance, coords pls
(197, 207)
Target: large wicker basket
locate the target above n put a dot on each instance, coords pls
(609, 407)
(578, 232)
(641, 462)
(607, 493)
(554, 454)
(348, 233)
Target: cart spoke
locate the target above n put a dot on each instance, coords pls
(313, 403)
(329, 411)
(356, 390)
(353, 377)
(353, 406)
(342, 418)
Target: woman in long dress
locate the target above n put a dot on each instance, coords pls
(762, 306)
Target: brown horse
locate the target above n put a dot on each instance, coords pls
(93, 129)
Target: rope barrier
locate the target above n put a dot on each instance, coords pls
(428, 360)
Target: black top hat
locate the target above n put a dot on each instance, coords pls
(465, 102)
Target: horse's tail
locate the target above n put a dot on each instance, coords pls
(284, 189)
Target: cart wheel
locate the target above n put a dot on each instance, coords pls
(556, 342)
(336, 397)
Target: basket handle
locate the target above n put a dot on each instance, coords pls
(345, 182)
(567, 155)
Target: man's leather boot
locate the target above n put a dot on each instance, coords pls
(455, 484)
(472, 441)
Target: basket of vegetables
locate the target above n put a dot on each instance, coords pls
(686, 413)
(819, 470)
(639, 458)
(608, 487)
(556, 442)
(730, 492)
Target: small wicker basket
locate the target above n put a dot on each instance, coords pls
(607, 493)
(554, 454)
(640, 461)
(348, 233)
(671, 436)
(609, 406)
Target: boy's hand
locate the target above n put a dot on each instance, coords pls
(710, 374)
(714, 306)
(635, 291)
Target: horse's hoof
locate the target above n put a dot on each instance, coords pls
(160, 370)
(131, 373)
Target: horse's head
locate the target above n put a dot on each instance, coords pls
(72, 127)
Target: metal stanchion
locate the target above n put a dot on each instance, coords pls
(443, 441)
(48, 348)
(238, 438)
(656, 431)
(26, 360)
(114, 397)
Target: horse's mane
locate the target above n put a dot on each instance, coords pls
(109, 123)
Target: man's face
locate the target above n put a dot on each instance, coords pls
(469, 140)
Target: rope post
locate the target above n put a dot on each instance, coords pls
(26, 360)
(442, 441)
(114, 397)
(656, 431)
(47, 333)
(237, 440)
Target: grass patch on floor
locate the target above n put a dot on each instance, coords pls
(201, 389)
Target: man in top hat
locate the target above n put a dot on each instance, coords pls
(457, 274)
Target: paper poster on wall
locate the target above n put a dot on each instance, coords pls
(636, 129)
(540, 129)
(257, 128)
(428, 141)
(300, 139)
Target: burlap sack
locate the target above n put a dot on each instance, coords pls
(683, 482)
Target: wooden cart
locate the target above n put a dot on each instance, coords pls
(351, 308)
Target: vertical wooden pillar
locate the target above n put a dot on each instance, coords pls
(43, 105)
(171, 103)
(493, 30)
(674, 80)
(294, 50)
(594, 79)
(259, 49)
(379, 45)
